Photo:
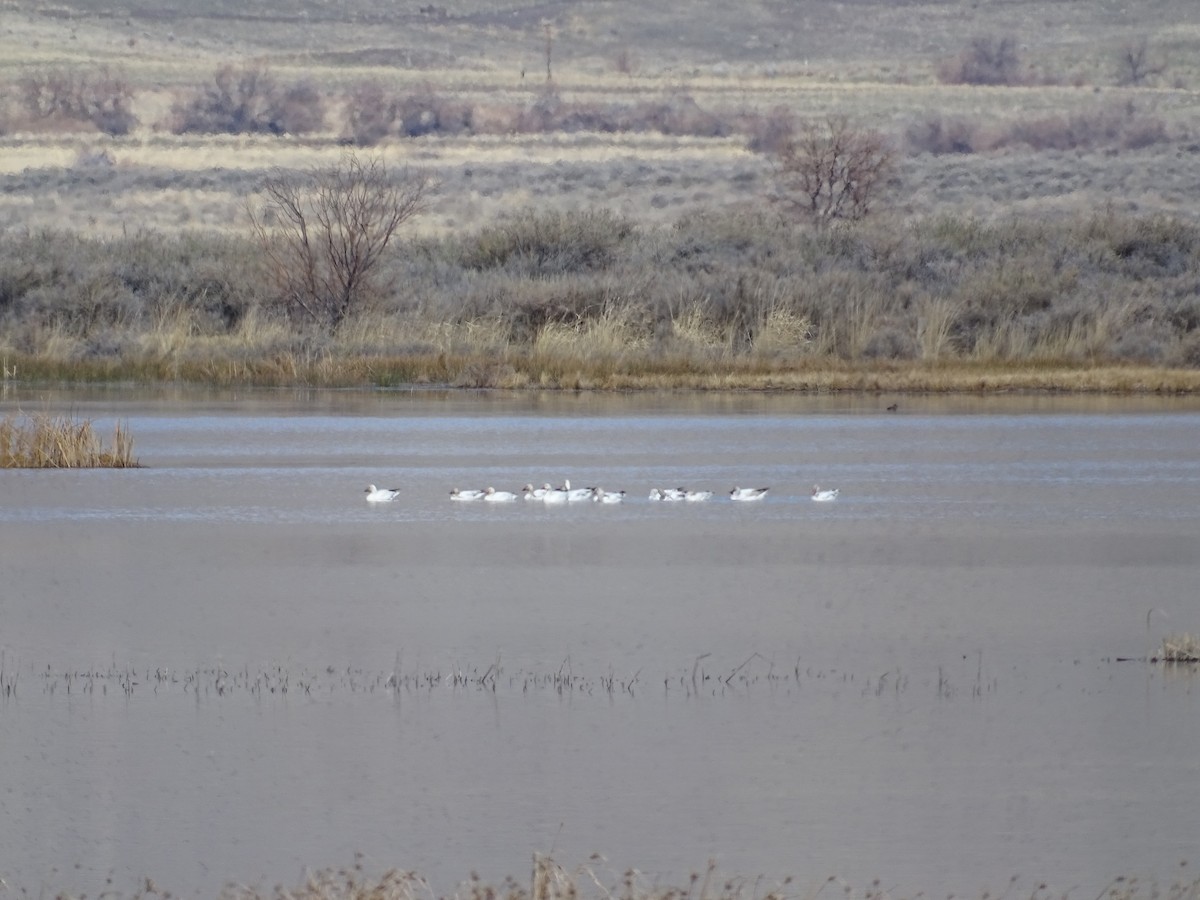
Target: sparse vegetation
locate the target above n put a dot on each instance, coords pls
(42, 441)
(612, 203)
(833, 170)
(1102, 302)
(64, 98)
(324, 235)
(1180, 648)
(987, 60)
(249, 99)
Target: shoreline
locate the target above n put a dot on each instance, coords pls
(531, 373)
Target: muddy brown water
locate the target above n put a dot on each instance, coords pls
(226, 666)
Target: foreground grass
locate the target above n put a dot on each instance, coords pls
(61, 442)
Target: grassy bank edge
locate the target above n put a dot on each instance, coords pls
(533, 371)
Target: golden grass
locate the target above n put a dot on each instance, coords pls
(454, 361)
(60, 442)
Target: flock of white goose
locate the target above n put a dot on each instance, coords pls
(567, 494)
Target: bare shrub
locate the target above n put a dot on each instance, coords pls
(1136, 63)
(324, 233)
(1121, 126)
(102, 98)
(550, 243)
(425, 111)
(940, 135)
(370, 114)
(987, 60)
(772, 132)
(249, 100)
(833, 170)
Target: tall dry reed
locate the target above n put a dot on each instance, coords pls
(60, 442)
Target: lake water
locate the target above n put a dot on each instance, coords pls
(226, 666)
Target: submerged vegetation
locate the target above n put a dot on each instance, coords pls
(61, 442)
(737, 299)
(549, 880)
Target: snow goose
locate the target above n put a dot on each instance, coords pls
(532, 493)
(491, 495)
(823, 496)
(667, 494)
(600, 495)
(697, 496)
(574, 495)
(741, 493)
(381, 495)
(466, 494)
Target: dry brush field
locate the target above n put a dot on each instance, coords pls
(661, 118)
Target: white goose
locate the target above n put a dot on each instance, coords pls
(554, 495)
(532, 493)
(574, 495)
(741, 493)
(381, 495)
(697, 496)
(823, 496)
(491, 495)
(667, 494)
(466, 494)
(600, 495)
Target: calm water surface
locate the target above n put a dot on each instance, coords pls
(226, 666)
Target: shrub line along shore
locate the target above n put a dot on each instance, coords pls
(733, 300)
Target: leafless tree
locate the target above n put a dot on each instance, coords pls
(1137, 63)
(987, 60)
(833, 170)
(103, 97)
(324, 233)
(249, 100)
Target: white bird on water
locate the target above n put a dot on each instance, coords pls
(697, 496)
(574, 495)
(381, 495)
(741, 493)
(491, 495)
(669, 495)
(466, 494)
(823, 496)
(532, 493)
(600, 495)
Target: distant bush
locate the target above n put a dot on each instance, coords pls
(102, 98)
(249, 100)
(370, 114)
(773, 132)
(833, 170)
(324, 233)
(1121, 126)
(1136, 63)
(986, 60)
(545, 244)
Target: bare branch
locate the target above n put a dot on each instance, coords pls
(833, 170)
(324, 235)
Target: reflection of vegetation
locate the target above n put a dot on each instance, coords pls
(60, 442)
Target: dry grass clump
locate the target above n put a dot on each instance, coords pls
(61, 442)
(1180, 648)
